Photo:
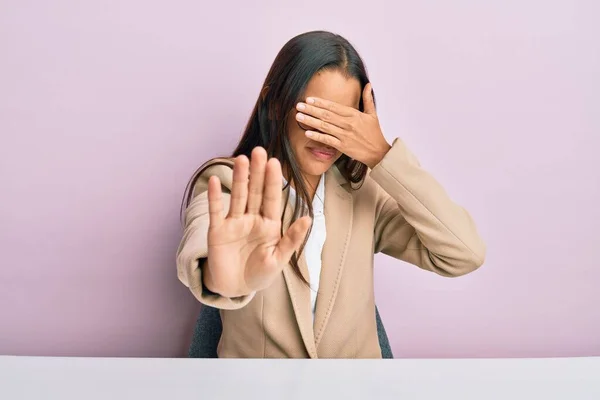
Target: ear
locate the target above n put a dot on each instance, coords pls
(368, 100)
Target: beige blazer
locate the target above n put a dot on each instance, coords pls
(400, 210)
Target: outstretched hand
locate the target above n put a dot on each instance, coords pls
(246, 250)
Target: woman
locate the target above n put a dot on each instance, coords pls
(281, 236)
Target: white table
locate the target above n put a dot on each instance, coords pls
(148, 379)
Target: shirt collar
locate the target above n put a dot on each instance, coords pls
(318, 202)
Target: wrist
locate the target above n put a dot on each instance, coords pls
(378, 156)
(214, 284)
(207, 280)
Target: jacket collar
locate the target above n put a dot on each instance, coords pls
(338, 221)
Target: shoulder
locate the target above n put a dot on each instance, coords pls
(221, 167)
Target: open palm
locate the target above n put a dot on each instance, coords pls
(245, 248)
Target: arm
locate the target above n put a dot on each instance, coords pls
(418, 223)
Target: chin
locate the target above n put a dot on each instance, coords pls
(315, 170)
(317, 164)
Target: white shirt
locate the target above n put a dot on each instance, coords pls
(315, 241)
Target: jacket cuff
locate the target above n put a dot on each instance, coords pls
(207, 297)
(392, 163)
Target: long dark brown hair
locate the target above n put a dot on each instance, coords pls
(297, 62)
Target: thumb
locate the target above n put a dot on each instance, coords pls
(292, 239)
(368, 99)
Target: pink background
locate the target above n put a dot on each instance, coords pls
(106, 108)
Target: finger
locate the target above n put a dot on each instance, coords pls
(325, 139)
(324, 115)
(271, 202)
(258, 163)
(239, 190)
(332, 106)
(292, 240)
(215, 202)
(368, 99)
(317, 124)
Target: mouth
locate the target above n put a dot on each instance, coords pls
(323, 153)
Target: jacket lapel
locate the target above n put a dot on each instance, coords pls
(299, 291)
(338, 222)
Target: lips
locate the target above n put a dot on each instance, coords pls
(323, 150)
(323, 153)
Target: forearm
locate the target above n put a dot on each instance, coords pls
(444, 236)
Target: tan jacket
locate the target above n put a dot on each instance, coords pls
(400, 210)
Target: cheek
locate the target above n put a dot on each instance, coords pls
(297, 136)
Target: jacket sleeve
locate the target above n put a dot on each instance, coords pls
(418, 223)
(193, 247)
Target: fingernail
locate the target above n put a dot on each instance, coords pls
(300, 117)
(310, 100)
(309, 133)
(301, 106)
